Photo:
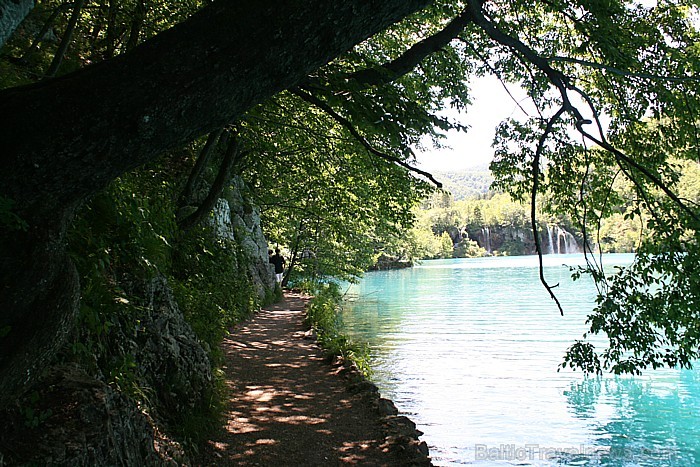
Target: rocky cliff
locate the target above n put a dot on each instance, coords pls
(74, 417)
(80, 413)
(513, 240)
(247, 232)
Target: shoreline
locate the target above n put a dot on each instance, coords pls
(290, 404)
(401, 437)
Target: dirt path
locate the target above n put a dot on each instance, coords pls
(289, 406)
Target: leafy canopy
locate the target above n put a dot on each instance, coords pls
(614, 88)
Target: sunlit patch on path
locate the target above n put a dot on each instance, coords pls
(287, 406)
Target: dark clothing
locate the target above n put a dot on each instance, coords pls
(278, 261)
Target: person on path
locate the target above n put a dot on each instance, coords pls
(278, 261)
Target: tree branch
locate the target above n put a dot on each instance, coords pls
(311, 99)
(603, 143)
(183, 83)
(557, 78)
(65, 41)
(44, 30)
(533, 202)
(617, 71)
(405, 63)
(232, 156)
(137, 21)
(200, 164)
(563, 84)
(496, 73)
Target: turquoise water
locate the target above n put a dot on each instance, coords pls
(469, 350)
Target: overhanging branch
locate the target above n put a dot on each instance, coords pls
(311, 99)
(618, 71)
(621, 156)
(402, 65)
(234, 154)
(533, 202)
(495, 72)
(563, 84)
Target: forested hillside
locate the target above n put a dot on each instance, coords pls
(471, 183)
(492, 223)
(153, 151)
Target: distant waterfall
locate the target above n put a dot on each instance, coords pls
(561, 241)
(568, 241)
(487, 238)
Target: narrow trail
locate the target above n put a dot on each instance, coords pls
(288, 406)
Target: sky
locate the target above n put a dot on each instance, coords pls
(490, 105)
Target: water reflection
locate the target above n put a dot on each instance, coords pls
(648, 421)
(470, 350)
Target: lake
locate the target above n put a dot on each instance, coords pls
(469, 349)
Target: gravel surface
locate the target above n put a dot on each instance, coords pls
(289, 406)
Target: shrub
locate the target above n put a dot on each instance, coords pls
(322, 314)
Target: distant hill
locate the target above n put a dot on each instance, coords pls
(469, 183)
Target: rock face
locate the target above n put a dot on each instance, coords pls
(245, 224)
(171, 360)
(73, 419)
(11, 15)
(236, 219)
(512, 240)
(385, 262)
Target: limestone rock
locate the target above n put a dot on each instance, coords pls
(171, 360)
(72, 419)
(245, 222)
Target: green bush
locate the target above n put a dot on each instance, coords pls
(322, 314)
(117, 240)
(122, 238)
(212, 286)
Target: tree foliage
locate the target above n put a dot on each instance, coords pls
(328, 102)
(632, 103)
(323, 196)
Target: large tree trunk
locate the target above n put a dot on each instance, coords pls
(64, 139)
(71, 136)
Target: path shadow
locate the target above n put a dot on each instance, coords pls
(287, 405)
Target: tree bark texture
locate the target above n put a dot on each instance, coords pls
(65, 138)
(12, 13)
(72, 135)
